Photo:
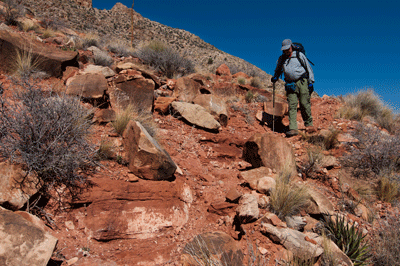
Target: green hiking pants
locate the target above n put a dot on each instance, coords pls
(302, 95)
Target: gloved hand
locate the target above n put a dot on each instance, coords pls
(310, 87)
(274, 79)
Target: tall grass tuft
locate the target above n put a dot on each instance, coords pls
(287, 198)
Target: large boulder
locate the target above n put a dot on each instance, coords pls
(196, 115)
(15, 186)
(215, 106)
(135, 90)
(223, 70)
(146, 158)
(47, 58)
(23, 243)
(217, 248)
(271, 151)
(186, 89)
(91, 86)
(319, 203)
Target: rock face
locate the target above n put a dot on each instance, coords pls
(196, 115)
(136, 90)
(138, 210)
(215, 106)
(87, 86)
(48, 58)
(22, 243)
(217, 247)
(271, 151)
(145, 156)
(13, 194)
(186, 89)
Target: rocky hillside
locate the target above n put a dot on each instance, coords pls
(119, 165)
(116, 23)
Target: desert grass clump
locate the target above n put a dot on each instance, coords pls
(90, 39)
(241, 81)
(367, 104)
(165, 59)
(288, 198)
(348, 238)
(122, 118)
(106, 150)
(102, 58)
(48, 134)
(388, 188)
(48, 33)
(28, 25)
(26, 64)
(256, 82)
(386, 248)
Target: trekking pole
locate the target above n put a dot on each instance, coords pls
(273, 107)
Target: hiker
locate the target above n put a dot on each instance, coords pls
(299, 78)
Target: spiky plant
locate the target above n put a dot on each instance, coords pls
(348, 238)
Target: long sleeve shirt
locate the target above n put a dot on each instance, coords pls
(293, 69)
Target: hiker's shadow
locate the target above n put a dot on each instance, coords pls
(278, 126)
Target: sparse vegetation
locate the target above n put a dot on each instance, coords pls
(348, 238)
(165, 59)
(241, 81)
(106, 150)
(367, 104)
(388, 187)
(47, 133)
(102, 58)
(13, 11)
(386, 248)
(287, 198)
(122, 119)
(120, 48)
(90, 39)
(28, 25)
(375, 154)
(26, 64)
(256, 82)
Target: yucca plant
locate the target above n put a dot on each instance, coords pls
(348, 238)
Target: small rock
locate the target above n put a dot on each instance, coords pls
(72, 261)
(132, 178)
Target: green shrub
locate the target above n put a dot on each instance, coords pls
(250, 96)
(48, 134)
(348, 238)
(165, 59)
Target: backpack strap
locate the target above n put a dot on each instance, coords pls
(303, 64)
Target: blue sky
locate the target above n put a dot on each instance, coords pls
(353, 44)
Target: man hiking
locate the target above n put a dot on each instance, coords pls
(299, 78)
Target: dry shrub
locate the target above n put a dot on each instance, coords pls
(314, 157)
(48, 134)
(375, 154)
(120, 48)
(106, 150)
(122, 118)
(386, 248)
(165, 59)
(47, 33)
(241, 81)
(28, 25)
(90, 39)
(26, 65)
(288, 198)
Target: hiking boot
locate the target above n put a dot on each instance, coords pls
(292, 133)
(311, 129)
